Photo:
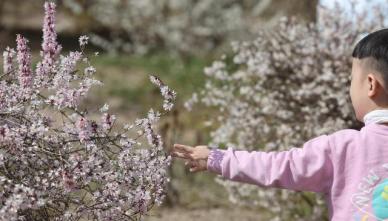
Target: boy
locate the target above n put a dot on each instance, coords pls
(349, 167)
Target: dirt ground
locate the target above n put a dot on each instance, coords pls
(205, 214)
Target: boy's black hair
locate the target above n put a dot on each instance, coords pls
(375, 46)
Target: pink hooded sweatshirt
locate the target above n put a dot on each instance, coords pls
(349, 167)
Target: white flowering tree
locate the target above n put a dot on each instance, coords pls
(59, 161)
(175, 25)
(282, 89)
(179, 26)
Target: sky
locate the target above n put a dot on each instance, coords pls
(346, 4)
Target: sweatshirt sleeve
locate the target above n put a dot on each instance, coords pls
(308, 168)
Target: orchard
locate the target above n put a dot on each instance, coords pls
(88, 118)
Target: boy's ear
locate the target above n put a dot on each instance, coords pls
(373, 84)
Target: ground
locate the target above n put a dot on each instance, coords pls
(205, 214)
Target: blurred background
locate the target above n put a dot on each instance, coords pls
(175, 41)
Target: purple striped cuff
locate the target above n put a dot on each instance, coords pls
(214, 160)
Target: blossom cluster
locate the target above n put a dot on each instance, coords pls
(285, 87)
(58, 162)
(168, 94)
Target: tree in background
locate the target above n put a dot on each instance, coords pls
(285, 87)
(181, 26)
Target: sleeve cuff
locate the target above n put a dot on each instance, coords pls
(214, 160)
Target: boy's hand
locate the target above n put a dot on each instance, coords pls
(196, 166)
(196, 157)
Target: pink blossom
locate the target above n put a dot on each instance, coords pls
(8, 56)
(50, 46)
(24, 61)
(107, 121)
(168, 94)
(84, 130)
(68, 181)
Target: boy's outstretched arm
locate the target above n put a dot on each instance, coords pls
(308, 168)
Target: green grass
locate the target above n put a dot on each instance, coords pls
(184, 76)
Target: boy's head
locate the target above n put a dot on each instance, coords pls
(369, 77)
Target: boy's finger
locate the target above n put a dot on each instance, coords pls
(182, 147)
(179, 155)
(183, 155)
(191, 163)
(194, 169)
